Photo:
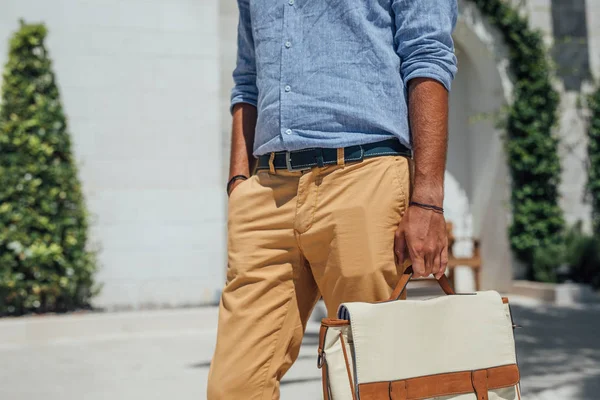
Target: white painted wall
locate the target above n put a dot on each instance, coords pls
(146, 84)
(477, 186)
(140, 84)
(572, 124)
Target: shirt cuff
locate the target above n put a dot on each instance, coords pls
(242, 99)
(430, 70)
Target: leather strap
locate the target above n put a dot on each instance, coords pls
(398, 391)
(324, 378)
(441, 385)
(479, 380)
(321, 363)
(405, 278)
(306, 159)
(347, 361)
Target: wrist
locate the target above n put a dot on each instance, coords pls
(428, 194)
(233, 181)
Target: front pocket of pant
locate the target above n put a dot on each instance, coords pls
(401, 180)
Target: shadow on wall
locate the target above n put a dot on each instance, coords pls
(559, 347)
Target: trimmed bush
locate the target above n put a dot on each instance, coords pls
(44, 263)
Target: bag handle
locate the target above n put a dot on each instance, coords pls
(407, 275)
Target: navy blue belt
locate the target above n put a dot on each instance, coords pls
(305, 159)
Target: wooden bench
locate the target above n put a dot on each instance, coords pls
(473, 262)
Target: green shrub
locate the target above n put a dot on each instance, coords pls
(44, 263)
(532, 149)
(547, 261)
(583, 256)
(579, 252)
(593, 149)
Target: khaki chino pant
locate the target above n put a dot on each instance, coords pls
(294, 237)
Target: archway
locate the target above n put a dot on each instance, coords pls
(477, 182)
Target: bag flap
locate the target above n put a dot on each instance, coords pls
(411, 338)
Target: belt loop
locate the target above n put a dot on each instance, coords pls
(341, 157)
(319, 158)
(271, 164)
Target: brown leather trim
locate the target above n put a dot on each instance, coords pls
(479, 379)
(445, 285)
(505, 300)
(322, 333)
(324, 380)
(398, 391)
(401, 285)
(405, 278)
(452, 383)
(374, 391)
(334, 322)
(343, 343)
(328, 323)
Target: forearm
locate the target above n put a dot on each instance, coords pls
(428, 115)
(242, 140)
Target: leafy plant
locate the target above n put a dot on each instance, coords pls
(593, 149)
(532, 149)
(44, 263)
(579, 253)
(583, 256)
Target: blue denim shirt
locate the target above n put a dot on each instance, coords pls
(333, 73)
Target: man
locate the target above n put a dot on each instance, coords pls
(327, 96)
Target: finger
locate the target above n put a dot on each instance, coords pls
(435, 267)
(399, 246)
(418, 265)
(443, 262)
(429, 258)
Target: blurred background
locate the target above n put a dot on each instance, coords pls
(114, 142)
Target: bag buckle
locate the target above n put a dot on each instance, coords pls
(320, 359)
(288, 164)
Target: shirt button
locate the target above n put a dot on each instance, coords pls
(288, 44)
(291, 2)
(288, 132)
(287, 88)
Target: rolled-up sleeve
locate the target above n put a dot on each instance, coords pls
(244, 75)
(423, 39)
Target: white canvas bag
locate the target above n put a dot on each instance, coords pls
(455, 347)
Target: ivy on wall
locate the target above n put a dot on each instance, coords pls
(531, 147)
(593, 185)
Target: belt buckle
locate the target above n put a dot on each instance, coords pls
(288, 164)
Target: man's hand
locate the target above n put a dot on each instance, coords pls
(422, 237)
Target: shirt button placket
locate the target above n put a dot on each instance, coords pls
(286, 117)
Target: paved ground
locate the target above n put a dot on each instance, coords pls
(166, 354)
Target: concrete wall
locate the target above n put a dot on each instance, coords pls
(476, 160)
(140, 81)
(572, 126)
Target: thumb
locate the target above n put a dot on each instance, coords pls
(400, 247)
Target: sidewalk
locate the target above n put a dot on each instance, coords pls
(166, 354)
